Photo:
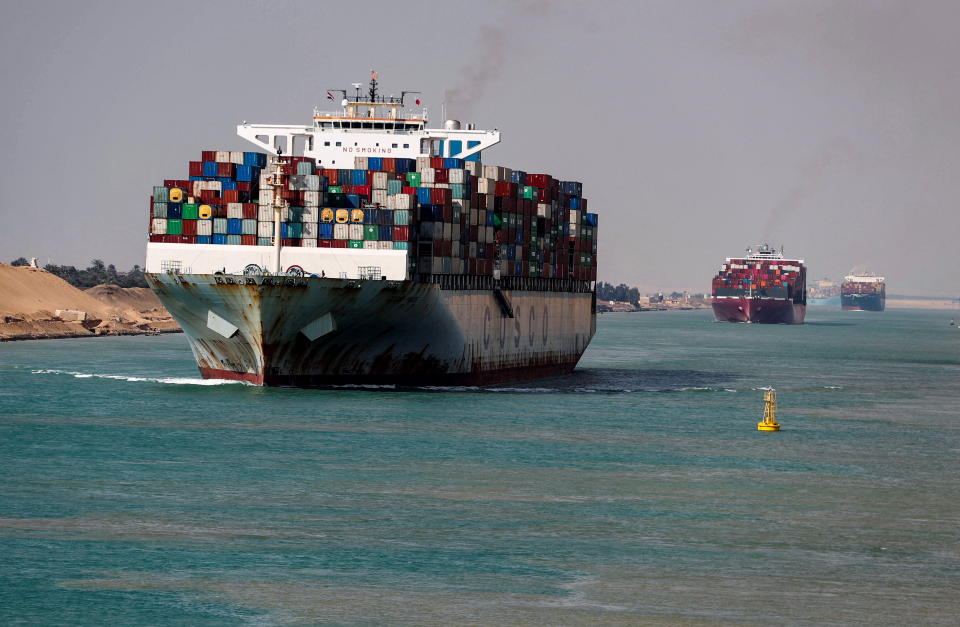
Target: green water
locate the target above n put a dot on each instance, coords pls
(635, 490)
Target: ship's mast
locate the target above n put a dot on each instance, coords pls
(279, 205)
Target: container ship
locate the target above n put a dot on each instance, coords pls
(366, 248)
(824, 292)
(864, 292)
(762, 286)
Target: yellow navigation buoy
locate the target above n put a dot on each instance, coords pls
(769, 422)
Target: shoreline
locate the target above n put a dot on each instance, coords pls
(73, 334)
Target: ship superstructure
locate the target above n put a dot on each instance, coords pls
(368, 248)
(763, 286)
(864, 292)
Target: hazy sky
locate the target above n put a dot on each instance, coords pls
(697, 127)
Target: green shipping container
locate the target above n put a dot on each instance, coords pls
(174, 227)
(371, 232)
(190, 211)
(401, 245)
(355, 243)
(530, 193)
(413, 178)
(335, 189)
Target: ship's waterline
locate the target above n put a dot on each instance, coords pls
(317, 331)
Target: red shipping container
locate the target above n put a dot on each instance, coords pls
(409, 190)
(189, 227)
(209, 196)
(289, 242)
(331, 174)
(226, 169)
(248, 240)
(542, 181)
(231, 195)
(325, 243)
(448, 213)
(362, 190)
(438, 248)
(208, 155)
(249, 211)
(436, 162)
(337, 243)
(441, 176)
(157, 238)
(245, 187)
(440, 196)
(389, 164)
(401, 233)
(505, 189)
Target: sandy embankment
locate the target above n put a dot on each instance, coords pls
(921, 303)
(35, 304)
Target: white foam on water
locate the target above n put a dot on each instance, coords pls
(120, 377)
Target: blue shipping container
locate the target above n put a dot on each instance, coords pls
(386, 233)
(518, 177)
(406, 165)
(451, 163)
(359, 177)
(174, 210)
(375, 163)
(423, 195)
(353, 201)
(591, 219)
(203, 239)
(235, 226)
(257, 159)
(219, 239)
(247, 173)
(209, 168)
(574, 202)
(325, 230)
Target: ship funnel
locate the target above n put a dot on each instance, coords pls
(452, 125)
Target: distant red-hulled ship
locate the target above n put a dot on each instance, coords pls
(762, 287)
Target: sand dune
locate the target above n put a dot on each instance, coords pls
(35, 304)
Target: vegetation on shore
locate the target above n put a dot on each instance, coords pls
(97, 273)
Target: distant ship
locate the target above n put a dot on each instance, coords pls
(863, 292)
(824, 293)
(762, 287)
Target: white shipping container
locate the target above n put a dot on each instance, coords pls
(236, 157)
(235, 210)
(204, 227)
(266, 197)
(489, 234)
(264, 178)
(423, 163)
(370, 245)
(158, 226)
(574, 229)
(356, 231)
(310, 214)
(455, 232)
(312, 199)
(309, 230)
(474, 167)
(456, 176)
(308, 243)
(447, 231)
(385, 245)
(543, 210)
(574, 216)
(472, 250)
(455, 248)
(437, 266)
(460, 203)
(474, 217)
(223, 156)
(264, 229)
(481, 235)
(379, 196)
(341, 231)
(441, 185)
(428, 175)
(379, 180)
(265, 214)
(359, 163)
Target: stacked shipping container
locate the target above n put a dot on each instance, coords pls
(742, 277)
(453, 217)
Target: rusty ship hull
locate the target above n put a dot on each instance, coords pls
(315, 332)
